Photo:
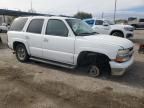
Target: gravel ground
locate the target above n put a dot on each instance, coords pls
(38, 85)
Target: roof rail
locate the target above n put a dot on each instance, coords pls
(65, 16)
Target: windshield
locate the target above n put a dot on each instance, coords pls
(80, 28)
(109, 22)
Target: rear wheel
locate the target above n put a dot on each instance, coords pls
(21, 53)
(118, 34)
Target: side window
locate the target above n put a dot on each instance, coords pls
(99, 22)
(90, 22)
(57, 28)
(141, 20)
(18, 24)
(35, 26)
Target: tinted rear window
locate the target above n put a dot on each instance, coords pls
(35, 26)
(18, 24)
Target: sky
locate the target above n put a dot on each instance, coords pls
(137, 9)
(70, 7)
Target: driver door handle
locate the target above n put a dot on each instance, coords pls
(45, 40)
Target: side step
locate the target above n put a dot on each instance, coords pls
(53, 63)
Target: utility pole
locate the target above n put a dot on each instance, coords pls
(115, 9)
(102, 15)
(4, 19)
(31, 8)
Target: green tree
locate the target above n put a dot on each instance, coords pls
(83, 15)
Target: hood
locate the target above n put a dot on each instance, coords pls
(111, 40)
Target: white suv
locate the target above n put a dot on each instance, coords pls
(107, 27)
(69, 42)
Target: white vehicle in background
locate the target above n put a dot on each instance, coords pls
(4, 27)
(136, 22)
(107, 27)
(71, 43)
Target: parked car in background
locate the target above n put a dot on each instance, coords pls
(107, 27)
(69, 42)
(136, 22)
(4, 27)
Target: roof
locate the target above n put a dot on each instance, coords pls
(52, 17)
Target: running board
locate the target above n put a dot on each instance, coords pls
(53, 63)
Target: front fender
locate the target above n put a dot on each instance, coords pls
(111, 53)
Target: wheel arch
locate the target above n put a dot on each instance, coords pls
(15, 43)
(84, 54)
(117, 31)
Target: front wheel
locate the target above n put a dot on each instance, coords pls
(118, 34)
(21, 53)
(94, 70)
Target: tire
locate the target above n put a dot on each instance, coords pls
(0, 31)
(21, 53)
(94, 70)
(118, 34)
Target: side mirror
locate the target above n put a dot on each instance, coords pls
(105, 24)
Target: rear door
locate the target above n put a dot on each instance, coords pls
(34, 37)
(58, 45)
(100, 28)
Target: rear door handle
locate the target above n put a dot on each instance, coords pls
(45, 40)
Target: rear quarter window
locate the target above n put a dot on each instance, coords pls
(18, 24)
(90, 22)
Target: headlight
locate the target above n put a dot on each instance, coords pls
(122, 55)
(129, 28)
(123, 52)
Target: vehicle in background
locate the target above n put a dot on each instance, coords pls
(136, 22)
(107, 27)
(71, 43)
(141, 48)
(4, 27)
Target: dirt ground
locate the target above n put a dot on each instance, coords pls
(38, 85)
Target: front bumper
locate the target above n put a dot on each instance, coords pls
(118, 69)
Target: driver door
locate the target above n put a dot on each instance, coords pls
(57, 44)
